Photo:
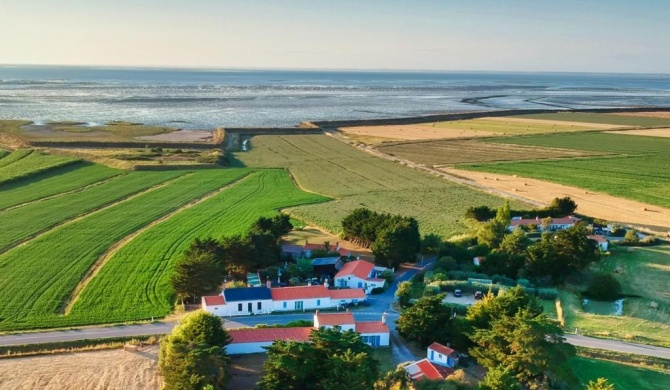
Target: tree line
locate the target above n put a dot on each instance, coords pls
(559, 207)
(393, 239)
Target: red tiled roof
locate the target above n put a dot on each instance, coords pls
(214, 300)
(332, 319)
(359, 268)
(429, 370)
(371, 327)
(597, 238)
(439, 348)
(259, 335)
(299, 292)
(347, 293)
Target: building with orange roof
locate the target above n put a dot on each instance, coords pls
(424, 369)
(439, 354)
(358, 274)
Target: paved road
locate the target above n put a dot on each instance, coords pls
(618, 346)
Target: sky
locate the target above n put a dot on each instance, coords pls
(458, 35)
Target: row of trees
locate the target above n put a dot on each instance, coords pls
(559, 207)
(207, 262)
(392, 238)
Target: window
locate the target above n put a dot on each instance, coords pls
(239, 307)
(439, 356)
(260, 305)
(298, 305)
(284, 305)
(318, 302)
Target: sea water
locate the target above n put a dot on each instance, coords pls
(195, 99)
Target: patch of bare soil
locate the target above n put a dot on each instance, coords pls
(530, 121)
(181, 136)
(246, 370)
(594, 204)
(648, 114)
(112, 369)
(413, 132)
(665, 132)
(315, 235)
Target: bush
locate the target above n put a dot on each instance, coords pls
(431, 290)
(547, 293)
(377, 290)
(446, 264)
(523, 282)
(604, 287)
(418, 277)
(631, 237)
(618, 231)
(432, 276)
(465, 275)
(502, 279)
(388, 276)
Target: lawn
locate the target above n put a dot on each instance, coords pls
(326, 166)
(623, 376)
(45, 271)
(25, 162)
(24, 222)
(588, 117)
(639, 174)
(146, 261)
(53, 182)
(549, 307)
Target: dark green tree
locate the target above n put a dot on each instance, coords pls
(481, 315)
(499, 378)
(196, 273)
(399, 241)
(431, 243)
(491, 233)
(237, 254)
(560, 207)
(515, 243)
(290, 365)
(193, 355)
(600, 384)
(480, 213)
(427, 321)
(604, 287)
(558, 255)
(277, 226)
(404, 293)
(397, 379)
(349, 370)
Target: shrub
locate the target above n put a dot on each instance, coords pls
(523, 282)
(418, 277)
(388, 276)
(377, 290)
(618, 231)
(446, 263)
(431, 290)
(604, 287)
(547, 293)
(631, 237)
(465, 275)
(502, 279)
(431, 276)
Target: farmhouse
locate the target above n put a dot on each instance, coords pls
(305, 251)
(327, 266)
(556, 223)
(438, 364)
(358, 274)
(252, 340)
(603, 244)
(262, 300)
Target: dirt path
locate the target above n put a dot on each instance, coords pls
(594, 204)
(111, 251)
(113, 369)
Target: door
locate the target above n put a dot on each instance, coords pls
(298, 305)
(250, 306)
(432, 355)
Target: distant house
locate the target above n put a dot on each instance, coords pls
(252, 340)
(477, 261)
(305, 251)
(556, 223)
(438, 364)
(294, 251)
(603, 244)
(257, 300)
(327, 266)
(358, 274)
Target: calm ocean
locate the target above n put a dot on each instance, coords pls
(205, 99)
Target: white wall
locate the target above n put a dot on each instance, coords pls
(231, 308)
(307, 304)
(353, 282)
(245, 348)
(383, 338)
(436, 357)
(218, 310)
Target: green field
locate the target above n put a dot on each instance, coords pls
(25, 162)
(146, 260)
(610, 119)
(46, 270)
(54, 182)
(27, 221)
(623, 376)
(356, 179)
(641, 173)
(502, 126)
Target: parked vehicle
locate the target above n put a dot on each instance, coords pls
(479, 295)
(458, 293)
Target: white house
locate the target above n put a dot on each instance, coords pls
(556, 223)
(300, 298)
(239, 301)
(252, 340)
(358, 274)
(603, 244)
(444, 356)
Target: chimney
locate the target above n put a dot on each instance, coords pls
(326, 284)
(309, 283)
(268, 283)
(316, 320)
(384, 318)
(346, 311)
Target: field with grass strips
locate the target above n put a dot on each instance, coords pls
(29, 162)
(22, 223)
(147, 260)
(53, 182)
(3, 153)
(598, 142)
(623, 376)
(447, 152)
(588, 117)
(510, 125)
(46, 270)
(357, 179)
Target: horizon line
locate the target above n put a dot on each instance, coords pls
(342, 70)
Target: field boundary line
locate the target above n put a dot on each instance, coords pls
(112, 250)
(73, 191)
(88, 213)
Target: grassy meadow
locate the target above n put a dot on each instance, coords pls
(24, 162)
(355, 179)
(621, 375)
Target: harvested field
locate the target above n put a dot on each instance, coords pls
(597, 118)
(180, 136)
(113, 369)
(646, 114)
(377, 134)
(447, 152)
(663, 132)
(597, 205)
